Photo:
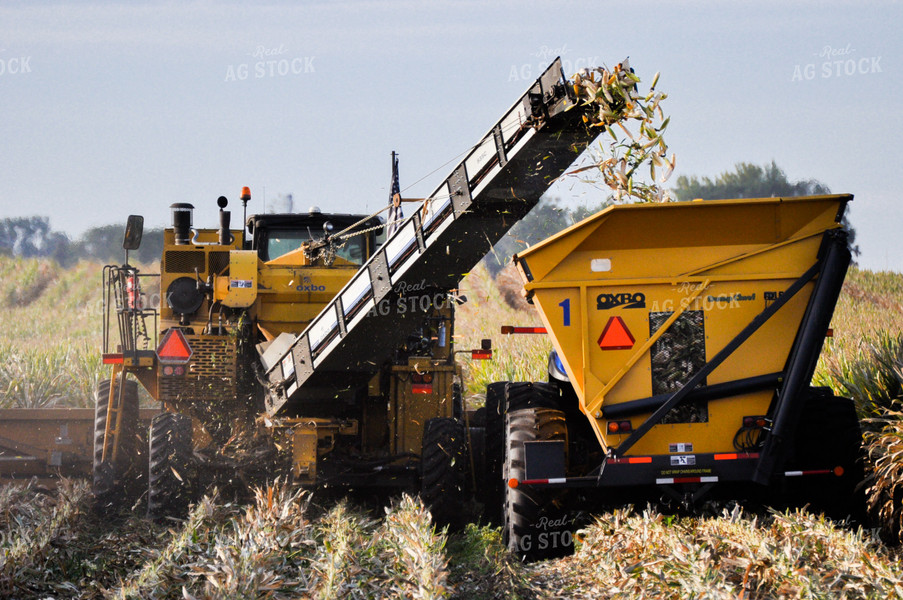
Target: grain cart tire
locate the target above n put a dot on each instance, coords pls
(829, 436)
(530, 394)
(171, 477)
(532, 530)
(443, 463)
(118, 483)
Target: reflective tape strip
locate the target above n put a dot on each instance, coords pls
(670, 480)
(543, 481)
(812, 472)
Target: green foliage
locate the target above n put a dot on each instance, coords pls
(885, 490)
(56, 375)
(873, 377)
(752, 181)
(746, 181)
(31, 237)
(483, 569)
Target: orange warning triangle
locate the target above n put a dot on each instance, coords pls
(174, 347)
(616, 336)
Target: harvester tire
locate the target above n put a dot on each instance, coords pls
(116, 484)
(492, 492)
(171, 478)
(443, 462)
(532, 530)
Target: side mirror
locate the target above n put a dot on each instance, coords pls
(134, 228)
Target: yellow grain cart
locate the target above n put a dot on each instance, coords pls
(686, 336)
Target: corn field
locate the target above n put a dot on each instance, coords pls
(283, 543)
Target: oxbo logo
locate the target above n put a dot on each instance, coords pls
(311, 288)
(625, 300)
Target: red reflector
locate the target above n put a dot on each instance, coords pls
(838, 471)
(509, 329)
(481, 354)
(616, 336)
(174, 348)
(422, 388)
(632, 460)
(830, 332)
(112, 359)
(735, 456)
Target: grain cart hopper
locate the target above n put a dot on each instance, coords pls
(285, 352)
(686, 335)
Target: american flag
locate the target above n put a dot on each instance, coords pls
(395, 214)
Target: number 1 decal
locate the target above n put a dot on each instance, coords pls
(566, 309)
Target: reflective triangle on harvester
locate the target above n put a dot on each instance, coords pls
(616, 336)
(174, 347)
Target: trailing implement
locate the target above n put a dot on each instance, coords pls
(685, 338)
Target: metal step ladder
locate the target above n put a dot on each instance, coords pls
(495, 185)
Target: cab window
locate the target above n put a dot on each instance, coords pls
(282, 241)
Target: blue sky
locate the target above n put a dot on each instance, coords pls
(108, 110)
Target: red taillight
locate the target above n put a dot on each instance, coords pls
(619, 427)
(481, 354)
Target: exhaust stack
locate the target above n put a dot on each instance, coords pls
(182, 220)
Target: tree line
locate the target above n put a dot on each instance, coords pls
(746, 180)
(32, 237)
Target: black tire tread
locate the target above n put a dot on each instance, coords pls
(116, 484)
(524, 506)
(443, 486)
(171, 477)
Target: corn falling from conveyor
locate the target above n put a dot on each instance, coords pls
(496, 184)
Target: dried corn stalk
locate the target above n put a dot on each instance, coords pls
(635, 124)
